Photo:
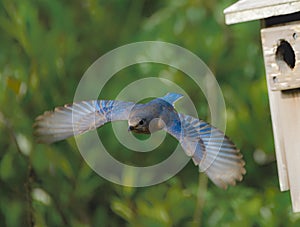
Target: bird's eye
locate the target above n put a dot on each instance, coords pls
(141, 122)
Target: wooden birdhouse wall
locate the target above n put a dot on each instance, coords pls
(281, 49)
(280, 35)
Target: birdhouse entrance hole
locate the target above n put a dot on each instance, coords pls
(285, 53)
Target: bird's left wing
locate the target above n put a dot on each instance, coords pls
(209, 148)
(77, 118)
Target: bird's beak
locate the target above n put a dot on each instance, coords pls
(130, 128)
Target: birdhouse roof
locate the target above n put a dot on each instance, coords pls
(247, 10)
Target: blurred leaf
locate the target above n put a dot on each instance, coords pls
(6, 166)
(122, 209)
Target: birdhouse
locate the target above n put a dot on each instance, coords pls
(280, 36)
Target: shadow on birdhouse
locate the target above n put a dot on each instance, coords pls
(280, 36)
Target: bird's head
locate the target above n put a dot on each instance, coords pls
(139, 124)
(145, 119)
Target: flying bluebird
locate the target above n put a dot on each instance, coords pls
(208, 147)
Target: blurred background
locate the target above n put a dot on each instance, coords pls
(46, 46)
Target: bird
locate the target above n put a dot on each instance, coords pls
(209, 148)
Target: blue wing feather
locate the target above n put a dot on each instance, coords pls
(78, 118)
(209, 148)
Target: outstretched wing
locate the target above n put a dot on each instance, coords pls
(77, 118)
(209, 148)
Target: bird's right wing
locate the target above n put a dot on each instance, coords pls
(77, 118)
(209, 148)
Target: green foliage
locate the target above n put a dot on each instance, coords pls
(46, 46)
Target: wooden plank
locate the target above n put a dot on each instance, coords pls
(269, 48)
(247, 10)
(286, 77)
(282, 169)
(290, 104)
(285, 110)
